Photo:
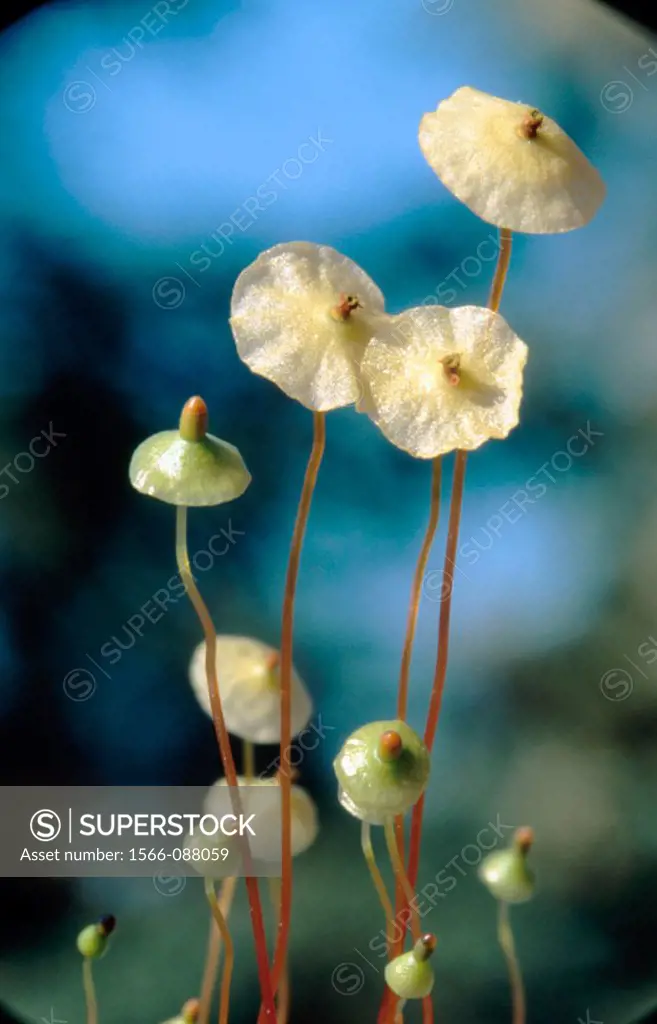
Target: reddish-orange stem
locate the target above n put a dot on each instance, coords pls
(389, 1002)
(407, 654)
(287, 633)
(416, 589)
(438, 679)
(223, 740)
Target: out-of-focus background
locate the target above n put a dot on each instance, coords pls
(135, 139)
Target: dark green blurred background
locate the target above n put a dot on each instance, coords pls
(132, 135)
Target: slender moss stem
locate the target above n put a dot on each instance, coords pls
(287, 635)
(505, 936)
(400, 872)
(377, 878)
(283, 1002)
(249, 760)
(416, 589)
(89, 990)
(229, 952)
(495, 297)
(501, 270)
(407, 653)
(213, 956)
(223, 740)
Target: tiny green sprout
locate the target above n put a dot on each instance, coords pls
(410, 976)
(505, 873)
(382, 770)
(92, 942)
(188, 466)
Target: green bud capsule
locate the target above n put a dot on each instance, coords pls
(188, 466)
(382, 770)
(92, 942)
(506, 874)
(410, 976)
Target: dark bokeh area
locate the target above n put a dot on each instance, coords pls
(134, 137)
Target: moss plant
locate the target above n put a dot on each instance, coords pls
(302, 315)
(433, 382)
(508, 877)
(185, 468)
(93, 943)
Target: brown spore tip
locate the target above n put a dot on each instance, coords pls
(524, 839)
(531, 124)
(452, 367)
(345, 307)
(194, 419)
(390, 746)
(425, 946)
(190, 1011)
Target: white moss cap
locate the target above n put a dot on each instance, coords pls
(439, 379)
(249, 684)
(267, 844)
(301, 316)
(512, 165)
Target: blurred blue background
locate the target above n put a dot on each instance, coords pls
(136, 139)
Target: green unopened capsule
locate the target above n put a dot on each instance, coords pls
(506, 874)
(93, 940)
(410, 976)
(188, 466)
(382, 770)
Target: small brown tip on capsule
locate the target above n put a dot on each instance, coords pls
(452, 368)
(345, 307)
(425, 946)
(106, 925)
(273, 661)
(390, 746)
(194, 420)
(523, 839)
(531, 124)
(291, 773)
(190, 1011)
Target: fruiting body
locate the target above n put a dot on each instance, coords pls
(301, 315)
(266, 845)
(506, 874)
(188, 466)
(440, 379)
(92, 942)
(249, 684)
(410, 975)
(513, 166)
(374, 786)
